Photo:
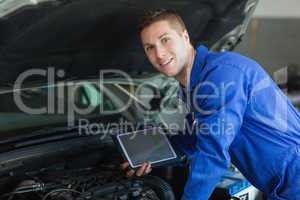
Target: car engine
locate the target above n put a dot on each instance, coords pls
(84, 168)
(106, 182)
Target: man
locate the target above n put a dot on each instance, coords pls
(239, 114)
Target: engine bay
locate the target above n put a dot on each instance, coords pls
(75, 169)
(106, 182)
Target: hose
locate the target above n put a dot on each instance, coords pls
(161, 188)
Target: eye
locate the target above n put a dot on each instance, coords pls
(165, 40)
(148, 48)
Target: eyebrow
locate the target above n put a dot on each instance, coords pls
(163, 35)
(147, 44)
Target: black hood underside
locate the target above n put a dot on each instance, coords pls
(83, 37)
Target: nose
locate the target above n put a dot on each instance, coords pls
(160, 52)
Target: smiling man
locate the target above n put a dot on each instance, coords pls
(167, 46)
(239, 114)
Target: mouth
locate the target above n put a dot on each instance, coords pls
(165, 63)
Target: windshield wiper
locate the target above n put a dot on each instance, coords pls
(43, 135)
(46, 139)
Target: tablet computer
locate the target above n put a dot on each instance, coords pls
(150, 145)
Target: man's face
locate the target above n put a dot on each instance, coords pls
(166, 48)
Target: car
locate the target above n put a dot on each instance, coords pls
(73, 72)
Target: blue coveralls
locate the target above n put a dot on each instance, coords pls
(241, 116)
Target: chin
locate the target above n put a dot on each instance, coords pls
(170, 74)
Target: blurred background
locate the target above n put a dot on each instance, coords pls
(273, 36)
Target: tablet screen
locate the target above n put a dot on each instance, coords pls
(150, 145)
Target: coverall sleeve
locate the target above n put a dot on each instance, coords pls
(219, 102)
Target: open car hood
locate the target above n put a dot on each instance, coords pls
(82, 36)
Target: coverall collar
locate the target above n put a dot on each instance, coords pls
(198, 65)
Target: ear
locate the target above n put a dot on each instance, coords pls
(186, 36)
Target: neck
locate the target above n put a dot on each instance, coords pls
(184, 76)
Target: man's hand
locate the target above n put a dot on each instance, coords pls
(143, 170)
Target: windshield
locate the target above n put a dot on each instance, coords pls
(44, 105)
(71, 103)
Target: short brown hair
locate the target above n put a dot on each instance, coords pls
(153, 16)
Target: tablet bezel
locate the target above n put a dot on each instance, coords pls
(159, 131)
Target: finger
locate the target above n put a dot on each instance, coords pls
(130, 173)
(141, 170)
(148, 169)
(124, 165)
